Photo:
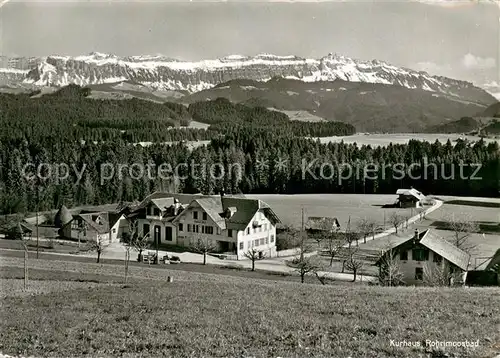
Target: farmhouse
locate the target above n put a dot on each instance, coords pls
(104, 227)
(409, 198)
(426, 255)
(232, 224)
(317, 224)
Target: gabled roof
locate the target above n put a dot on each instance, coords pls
(446, 249)
(163, 203)
(216, 206)
(321, 223)
(245, 211)
(213, 208)
(163, 198)
(89, 219)
(411, 192)
(440, 246)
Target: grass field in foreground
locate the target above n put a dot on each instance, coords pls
(206, 315)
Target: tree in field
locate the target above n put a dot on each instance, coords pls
(97, 245)
(396, 220)
(352, 263)
(366, 227)
(304, 265)
(462, 228)
(390, 273)
(203, 245)
(332, 246)
(254, 255)
(136, 239)
(130, 239)
(319, 238)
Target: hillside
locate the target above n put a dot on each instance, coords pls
(493, 128)
(369, 107)
(463, 125)
(492, 111)
(70, 112)
(207, 315)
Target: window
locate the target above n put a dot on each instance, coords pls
(205, 216)
(156, 212)
(272, 238)
(229, 233)
(262, 241)
(209, 230)
(197, 227)
(403, 255)
(419, 273)
(241, 245)
(437, 258)
(203, 229)
(420, 255)
(195, 215)
(189, 227)
(145, 229)
(248, 231)
(181, 227)
(218, 231)
(114, 231)
(257, 242)
(267, 240)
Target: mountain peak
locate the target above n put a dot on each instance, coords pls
(159, 72)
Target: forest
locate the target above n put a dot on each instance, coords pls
(257, 150)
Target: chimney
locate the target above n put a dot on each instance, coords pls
(415, 237)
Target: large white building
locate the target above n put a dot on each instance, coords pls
(234, 225)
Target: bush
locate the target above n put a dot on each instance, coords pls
(286, 239)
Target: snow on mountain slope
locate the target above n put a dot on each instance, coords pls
(162, 73)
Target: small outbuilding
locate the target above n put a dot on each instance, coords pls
(409, 198)
(322, 224)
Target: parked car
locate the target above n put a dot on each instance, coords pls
(175, 260)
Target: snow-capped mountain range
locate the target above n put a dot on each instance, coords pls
(164, 73)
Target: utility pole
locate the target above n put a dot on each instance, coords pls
(156, 244)
(302, 237)
(37, 208)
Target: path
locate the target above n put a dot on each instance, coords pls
(437, 204)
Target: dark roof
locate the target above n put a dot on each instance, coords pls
(63, 216)
(495, 260)
(440, 246)
(321, 223)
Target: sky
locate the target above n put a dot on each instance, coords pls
(460, 41)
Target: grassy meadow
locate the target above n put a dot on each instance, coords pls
(342, 206)
(85, 311)
(383, 140)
